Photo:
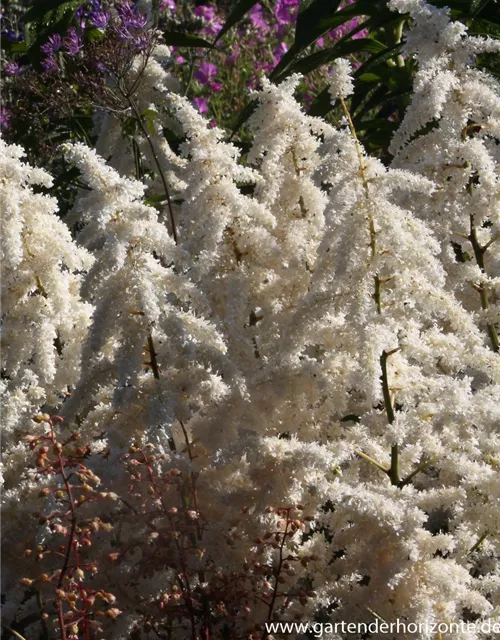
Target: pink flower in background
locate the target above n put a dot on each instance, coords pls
(206, 72)
(201, 104)
(279, 52)
(286, 10)
(170, 4)
(257, 19)
(235, 53)
(213, 24)
(4, 118)
(180, 60)
(215, 86)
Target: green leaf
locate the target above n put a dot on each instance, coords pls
(312, 20)
(369, 77)
(13, 47)
(178, 39)
(94, 34)
(320, 58)
(379, 17)
(477, 5)
(150, 113)
(321, 104)
(243, 117)
(240, 9)
(47, 11)
(372, 100)
(382, 56)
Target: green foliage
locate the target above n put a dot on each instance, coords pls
(177, 39)
(238, 12)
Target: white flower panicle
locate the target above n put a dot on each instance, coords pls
(460, 154)
(44, 320)
(341, 83)
(314, 355)
(151, 338)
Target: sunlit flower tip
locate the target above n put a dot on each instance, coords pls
(341, 84)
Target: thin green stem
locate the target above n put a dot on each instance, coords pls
(422, 467)
(479, 252)
(479, 542)
(373, 232)
(389, 409)
(372, 461)
(140, 122)
(385, 387)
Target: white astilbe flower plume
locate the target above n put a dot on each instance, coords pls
(44, 321)
(145, 85)
(151, 344)
(306, 347)
(284, 149)
(233, 249)
(44, 324)
(460, 154)
(341, 83)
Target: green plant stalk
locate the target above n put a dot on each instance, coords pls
(157, 162)
(479, 252)
(394, 468)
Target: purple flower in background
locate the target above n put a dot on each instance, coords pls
(257, 19)
(49, 65)
(286, 10)
(135, 21)
(53, 44)
(167, 3)
(340, 32)
(10, 35)
(129, 16)
(180, 60)
(72, 42)
(206, 72)
(141, 42)
(207, 13)
(12, 69)
(215, 86)
(235, 53)
(213, 23)
(201, 104)
(4, 118)
(279, 52)
(100, 19)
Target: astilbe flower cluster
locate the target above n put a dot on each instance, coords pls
(288, 382)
